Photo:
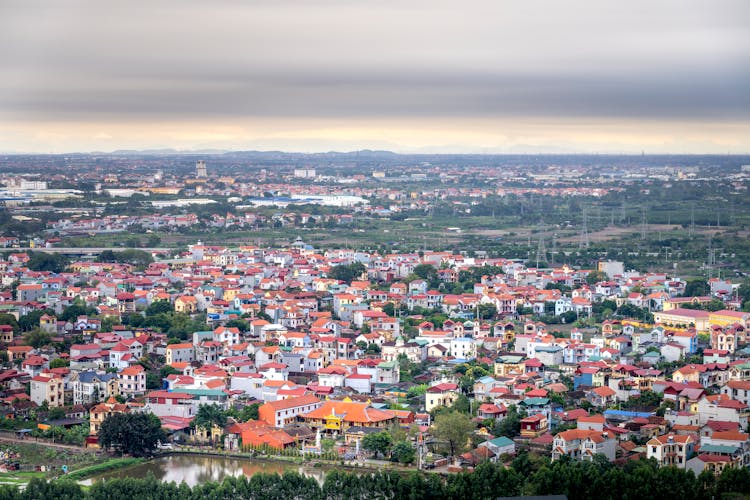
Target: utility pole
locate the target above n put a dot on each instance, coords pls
(643, 223)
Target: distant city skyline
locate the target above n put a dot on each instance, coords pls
(412, 76)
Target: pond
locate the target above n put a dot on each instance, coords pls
(198, 469)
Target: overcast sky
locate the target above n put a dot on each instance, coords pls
(405, 75)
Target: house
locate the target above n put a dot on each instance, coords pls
(534, 426)
(491, 411)
(670, 449)
(170, 404)
(443, 394)
(601, 396)
(90, 386)
(180, 353)
(737, 389)
(47, 387)
(285, 411)
(186, 304)
(338, 416)
(580, 444)
(132, 381)
(100, 412)
(721, 408)
(499, 446)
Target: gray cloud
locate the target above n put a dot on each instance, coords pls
(88, 60)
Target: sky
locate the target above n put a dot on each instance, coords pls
(485, 76)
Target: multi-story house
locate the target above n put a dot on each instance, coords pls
(132, 381)
(444, 394)
(90, 386)
(180, 353)
(580, 444)
(49, 388)
(670, 449)
(285, 411)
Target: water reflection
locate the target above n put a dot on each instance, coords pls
(198, 469)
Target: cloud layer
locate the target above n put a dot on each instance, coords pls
(111, 67)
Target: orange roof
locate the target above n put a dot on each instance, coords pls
(180, 346)
(133, 370)
(350, 411)
(285, 404)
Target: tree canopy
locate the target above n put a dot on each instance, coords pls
(453, 428)
(136, 434)
(347, 272)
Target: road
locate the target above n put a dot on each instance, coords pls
(90, 250)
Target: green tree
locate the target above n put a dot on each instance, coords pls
(453, 428)
(378, 443)
(59, 363)
(425, 271)
(403, 452)
(166, 370)
(159, 307)
(347, 272)
(153, 381)
(696, 288)
(9, 319)
(136, 434)
(210, 415)
(41, 261)
(240, 324)
(462, 404)
(30, 321)
(595, 276)
(510, 426)
(36, 339)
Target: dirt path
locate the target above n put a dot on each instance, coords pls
(10, 437)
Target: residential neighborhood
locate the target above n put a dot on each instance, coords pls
(394, 344)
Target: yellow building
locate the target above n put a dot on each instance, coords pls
(726, 317)
(684, 318)
(337, 416)
(186, 304)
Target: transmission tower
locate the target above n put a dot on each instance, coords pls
(553, 252)
(541, 250)
(584, 240)
(711, 262)
(643, 223)
(691, 232)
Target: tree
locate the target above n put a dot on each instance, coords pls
(153, 381)
(347, 272)
(403, 452)
(453, 428)
(9, 319)
(136, 434)
(210, 415)
(696, 288)
(510, 426)
(40, 261)
(59, 363)
(166, 370)
(240, 324)
(159, 307)
(462, 404)
(425, 271)
(30, 321)
(378, 443)
(595, 276)
(487, 311)
(36, 339)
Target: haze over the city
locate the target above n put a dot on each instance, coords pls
(408, 76)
